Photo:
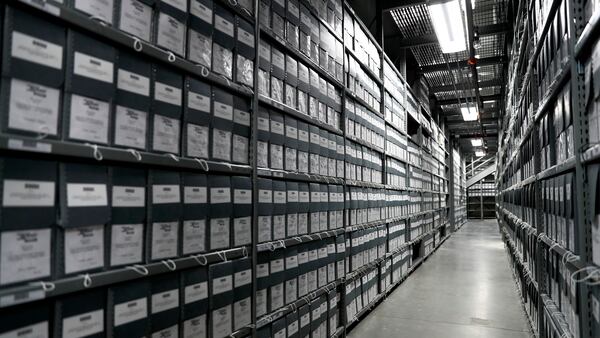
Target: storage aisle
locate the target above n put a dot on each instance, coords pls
(465, 290)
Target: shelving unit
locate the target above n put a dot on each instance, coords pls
(390, 183)
(481, 200)
(547, 182)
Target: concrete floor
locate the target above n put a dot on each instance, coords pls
(464, 290)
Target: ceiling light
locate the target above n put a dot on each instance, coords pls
(476, 142)
(448, 24)
(480, 153)
(469, 113)
(477, 56)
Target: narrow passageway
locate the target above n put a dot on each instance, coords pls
(464, 290)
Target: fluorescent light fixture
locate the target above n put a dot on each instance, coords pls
(476, 142)
(469, 113)
(447, 20)
(479, 153)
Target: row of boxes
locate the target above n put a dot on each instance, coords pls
(288, 81)
(293, 22)
(289, 209)
(203, 31)
(358, 40)
(284, 276)
(286, 143)
(115, 99)
(366, 246)
(556, 131)
(395, 172)
(107, 217)
(361, 84)
(361, 292)
(319, 318)
(363, 164)
(563, 290)
(396, 144)
(364, 124)
(554, 53)
(205, 301)
(560, 210)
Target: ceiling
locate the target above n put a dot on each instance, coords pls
(450, 78)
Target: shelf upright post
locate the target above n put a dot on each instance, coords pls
(254, 163)
(342, 287)
(577, 22)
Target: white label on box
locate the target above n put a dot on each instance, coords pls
(130, 127)
(221, 284)
(24, 255)
(223, 25)
(128, 196)
(93, 67)
(245, 37)
(219, 233)
(86, 195)
(221, 145)
(292, 327)
(132, 82)
(198, 102)
(277, 265)
(167, 94)
(240, 149)
(127, 242)
(102, 9)
(38, 330)
(265, 196)
(171, 34)
(197, 141)
(264, 228)
(84, 248)
(277, 127)
(222, 110)
(33, 107)
(170, 332)
(136, 18)
(220, 195)
(20, 193)
(280, 333)
(194, 236)
(221, 322)
(199, 10)
(89, 119)
(195, 327)
(165, 193)
(262, 270)
(242, 196)
(242, 313)
(83, 325)
(242, 231)
(164, 301)
(263, 124)
(195, 292)
(36, 50)
(194, 195)
(242, 278)
(131, 311)
(164, 240)
(166, 134)
(241, 117)
(292, 196)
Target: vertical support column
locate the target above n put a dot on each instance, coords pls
(254, 163)
(580, 136)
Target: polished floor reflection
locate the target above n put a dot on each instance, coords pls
(464, 290)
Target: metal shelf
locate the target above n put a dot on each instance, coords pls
(135, 45)
(362, 184)
(588, 36)
(273, 316)
(289, 242)
(40, 290)
(98, 153)
(366, 144)
(267, 101)
(293, 176)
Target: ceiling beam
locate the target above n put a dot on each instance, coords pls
(464, 86)
(494, 60)
(472, 135)
(430, 39)
(390, 5)
(483, 120)
(463, 99)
